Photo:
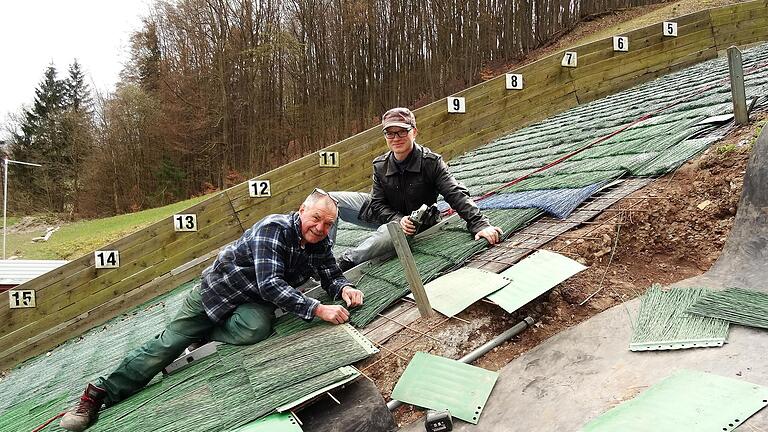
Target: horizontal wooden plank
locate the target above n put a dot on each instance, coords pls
(52, 337)
(599, 89)
(741, 33)
(131, 246)
(503, 118)
(732, 12)
(664, 57)
(640, 56)
(507, 122)
(71, 291)
(67, 290)
(92, 301)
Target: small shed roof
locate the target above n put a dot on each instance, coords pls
(15, 272)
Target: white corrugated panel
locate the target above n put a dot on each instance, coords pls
(15, 272)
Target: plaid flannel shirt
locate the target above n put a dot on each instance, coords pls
(264, 265)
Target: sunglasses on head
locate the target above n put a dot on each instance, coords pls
(322, 192)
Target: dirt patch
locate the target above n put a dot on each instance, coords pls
(34, 224)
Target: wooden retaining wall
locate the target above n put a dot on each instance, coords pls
(77, 297)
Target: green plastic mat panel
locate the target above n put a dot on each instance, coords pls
(663, 323)
(457, 290)
(532, 277)
(272, 423)
(439, 383)
(686, 401)
(385, 282)
(244, 383)
(736, 305)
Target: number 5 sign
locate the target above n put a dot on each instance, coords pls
(21, 298)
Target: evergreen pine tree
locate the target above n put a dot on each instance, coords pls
(77, 95)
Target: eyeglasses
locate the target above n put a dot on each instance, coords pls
(401, 133)
(324, 193)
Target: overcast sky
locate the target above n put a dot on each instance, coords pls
(36, 33)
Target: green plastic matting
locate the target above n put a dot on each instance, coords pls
(736, 305)
(283, 422)
(663, 323)
(456, 291)
(532, 277)
(686, 401)
(439, 383)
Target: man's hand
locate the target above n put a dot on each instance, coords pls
(353, 297)
(409, 228)
(332, 313)
(492, 234)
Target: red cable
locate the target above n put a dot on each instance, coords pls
(451, 211)
(42, 426)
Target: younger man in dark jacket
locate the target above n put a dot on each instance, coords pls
(404, 178)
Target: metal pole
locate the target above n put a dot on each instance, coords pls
(479, 352)
(5, 198)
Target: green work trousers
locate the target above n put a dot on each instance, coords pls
(248, 324)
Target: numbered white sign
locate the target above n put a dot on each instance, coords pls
(185, 222)
(259, 188)
(329, 159)
(620, 43)
(21, 298)
(670, 28)
(514, 81)
(457, 105)
(106, 259)
(569, 59)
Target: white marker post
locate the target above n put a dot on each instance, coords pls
(5, 193)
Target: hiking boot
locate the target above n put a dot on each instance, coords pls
(87, 410)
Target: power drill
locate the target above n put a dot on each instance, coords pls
(424, 215)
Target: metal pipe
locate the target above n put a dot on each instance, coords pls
(479, 352)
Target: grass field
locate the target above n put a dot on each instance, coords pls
(79, 238)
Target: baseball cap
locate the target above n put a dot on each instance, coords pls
(402, 117)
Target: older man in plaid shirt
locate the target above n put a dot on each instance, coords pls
(237, 297)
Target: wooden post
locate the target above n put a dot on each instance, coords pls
(736, 70)
(409, 266)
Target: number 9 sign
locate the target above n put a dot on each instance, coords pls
(457, 105)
